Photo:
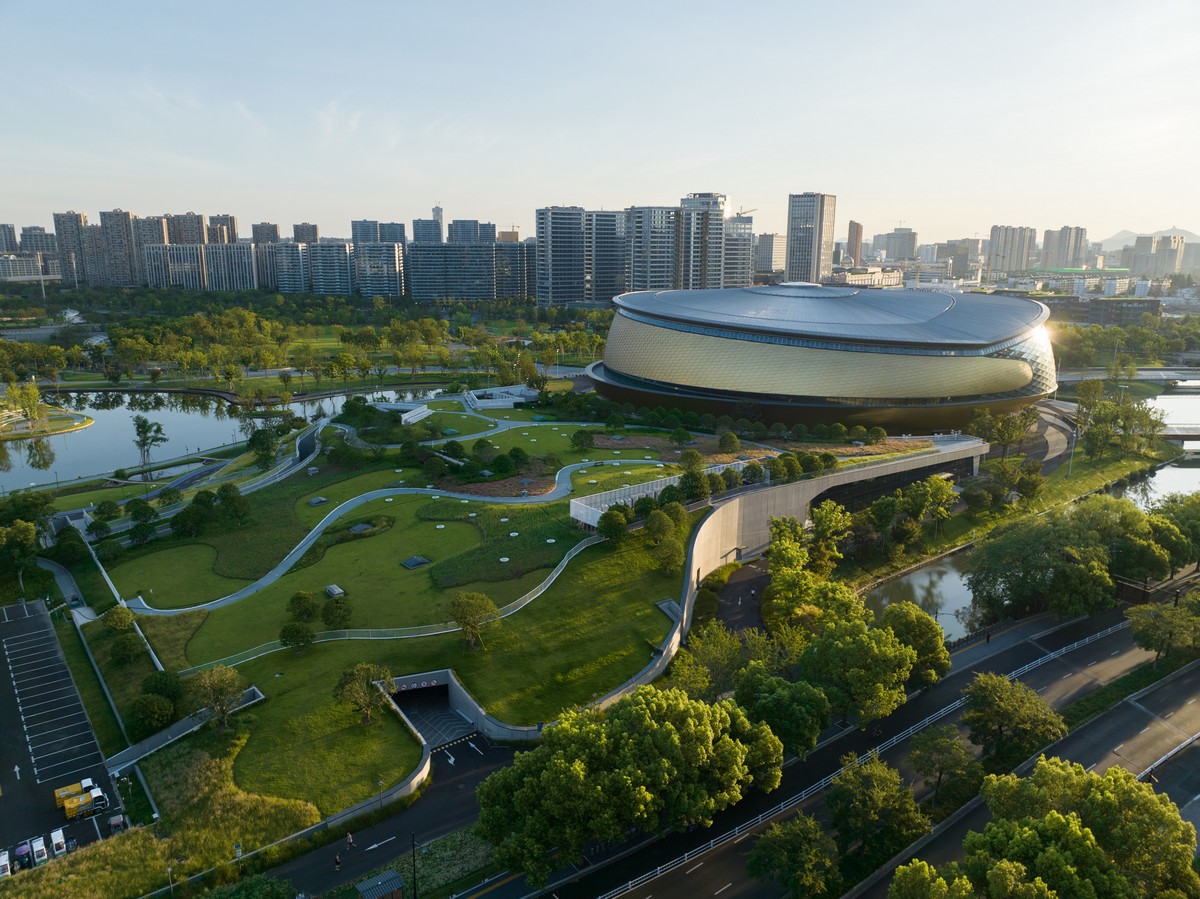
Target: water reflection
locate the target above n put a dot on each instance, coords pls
(5, 457)
(38, 454)
(939, 588)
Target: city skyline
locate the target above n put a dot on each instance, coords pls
(995, 120)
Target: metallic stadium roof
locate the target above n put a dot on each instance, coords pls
(870, 315)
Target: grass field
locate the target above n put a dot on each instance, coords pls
(100, 713)
(84, 499)
(173, 578)
(124, 681)
(466, 424)
(168, 634)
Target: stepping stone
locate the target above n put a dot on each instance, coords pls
(504, 558)
(388, 500)
(550, 540)
(514, 533)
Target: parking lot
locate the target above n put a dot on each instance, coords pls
(47, 741)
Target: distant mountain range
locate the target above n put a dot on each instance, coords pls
(1126, 238)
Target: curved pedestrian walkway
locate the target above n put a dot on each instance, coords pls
(562, 488)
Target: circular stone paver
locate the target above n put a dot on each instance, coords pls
(502, 520)
(464, 501)
(550, 540)
(440, 526)
(473, 514)
(591, 482)
(513, 533)
(504, 558)
(388, 500)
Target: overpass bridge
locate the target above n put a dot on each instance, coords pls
(1181, 433)
(1176, 373)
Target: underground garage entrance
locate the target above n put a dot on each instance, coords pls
(426, 703)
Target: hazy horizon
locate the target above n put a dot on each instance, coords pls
(935, 116)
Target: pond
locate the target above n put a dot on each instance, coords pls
(190, 423)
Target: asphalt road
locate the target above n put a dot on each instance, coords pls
(722, 871)
(448, 804)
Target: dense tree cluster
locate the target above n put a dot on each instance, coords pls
(652, 761)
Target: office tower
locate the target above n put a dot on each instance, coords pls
(148, 231)
(230, 266)
(436, 215)
(739, 252)
(393, 232)
(510, 236)
(652, 247)
(487, 232)
(560, 262)
(264, 265)
(1010, 249)
(603, 255)
(1065, 248)
(769, 253)
(216, 234)
(264, 233)
(854, 247)
(330, 269)
(291, 267)
(427, 230)
(231, 226)
(364, 231)
(810, 236)
(1156, 256)
(175, 265)
(900, 243)
(34, 239)
(1190, 261)
(516, 269)
(463, 231)
(120, 243)
(701, 241)
(306, 233)
(187, 227)
(68, 231)
(8, 239)
(380, 269)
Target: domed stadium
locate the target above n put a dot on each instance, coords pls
(903, 359)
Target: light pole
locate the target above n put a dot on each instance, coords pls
(171, 880)
(379, 780)
(414, 865)
(1071, 454)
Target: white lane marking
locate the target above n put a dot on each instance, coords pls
(1068, 674)
(723, 889)
(1118, 747)
(1116, 652)
(693, 868)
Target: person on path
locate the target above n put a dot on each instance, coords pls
(349, 841)
(337, 862)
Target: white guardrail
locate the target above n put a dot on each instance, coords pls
(824, 782)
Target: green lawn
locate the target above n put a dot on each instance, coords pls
(91, 584)
(124, 681)
(100, 713)
(349, 488)
(84, 499)
(446, 405)
(169, 634)
(175, 577)
(466, 424)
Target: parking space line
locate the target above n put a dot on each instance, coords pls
(47, 755)
(32, 682)
(24, 638)
(50, 739)
(57, 666)
(60, 775)
(30, 651)
(56, 703)
(59, 718)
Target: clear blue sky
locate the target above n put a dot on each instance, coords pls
(946, 116)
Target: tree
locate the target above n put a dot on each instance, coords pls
(264, 445)
(150, 713)
(1139, 829)
(1162, 628)
(670, 555)
(719, 651)
(615, 421)
(357, 688)
(919, 880)
(337, 613)
(937, 753)
(612, 526)
(883, 515)
(295, 635)
(681, 437)
(831, 525)
(582, 440)
(106, 510)
(303, 606)
(473, 612)
(868, 802)
(164, 683)
(694, 485)
(795, 712)
(917, 629)
(127, 648)
(1001, 713)
(119, 618)
(799, 855)
(653, 760)
(168, 496)
(219, 689)
(864, 669)
(1087, 394)
(137, 509)
(728, 442)
(147, 435)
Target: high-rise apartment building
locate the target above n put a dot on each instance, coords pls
(854, 247)
(264, 233)
(1065, 248)
(1010, 249)
(264, 265)
(603, 255)
(291, 267)
(701, 241)
(427, 230)
(364, 231)
(216, 233)
(393, 232)
(810, 236)
(1157, 256)
(739, 252)
(561, 273)
(516, 269)
(8, 239)
(379, 268)
(119, 248)
(148, 231)
(230, 224)
(68, 231)
(95, 256)
(230, 266)
(510, 236)
(652, 247)
(770, 252)
(330, 269)
(306, 233)
(35, 239)
(900, 244)
(187, 227)
(175, 265)
(470, 231)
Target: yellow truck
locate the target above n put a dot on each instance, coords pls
(85, 804)
(62, 794)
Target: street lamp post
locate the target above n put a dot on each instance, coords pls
(414, 865)
(171, 880)
(1071, 454)
(379, 781)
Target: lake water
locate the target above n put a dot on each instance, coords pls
(940, 587)
(190, 423)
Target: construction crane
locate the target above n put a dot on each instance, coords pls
(742, 212)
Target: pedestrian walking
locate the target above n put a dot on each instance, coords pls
(349, 841)
(337, 862)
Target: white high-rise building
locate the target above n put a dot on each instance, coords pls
(603, 255)
(739, 252)
(770, 253)
(68, 231)
(652, 247)
(230, 266)
(330, 269)
(291, 267)
(380, 269)
(810, 237)
(1010, 249)
(561, 273)
(701, 241)
(175, 265)
(1065, 248)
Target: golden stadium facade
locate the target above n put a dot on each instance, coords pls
(901, 359)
